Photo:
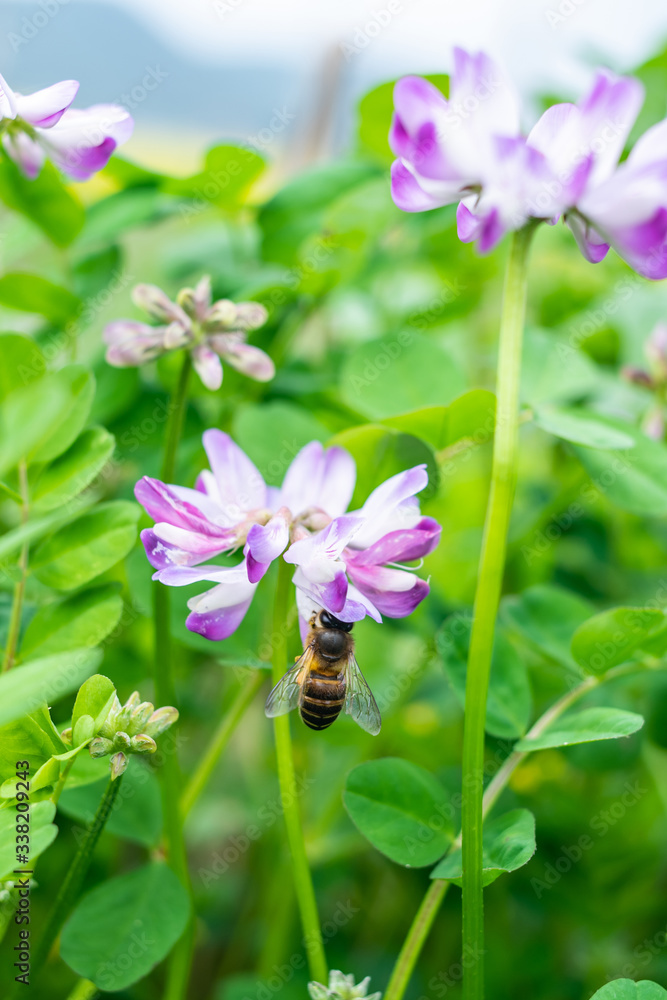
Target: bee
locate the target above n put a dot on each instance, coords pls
(326, 679)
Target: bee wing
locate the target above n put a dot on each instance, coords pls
(287, 693)
(359, 701)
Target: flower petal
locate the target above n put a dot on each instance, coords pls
(240, 486)
(131, 343)
(177, 505)
(207, 365)
(400, 546)
(25, 152)
(320, 479)
(249, 360)
(82, 141)
(408, 194)
(265, 543)
(394, 592)
(218, 612)
(7, 100)
(157, 304)
(391, 506)
(46, 107)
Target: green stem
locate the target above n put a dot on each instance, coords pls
(84, 990)
(425, 916)
(219, 740)
(163, 679)
(69, 890)
(19, 588)
(487, 598)
(303, 883)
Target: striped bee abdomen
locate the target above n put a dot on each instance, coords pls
(322, 700)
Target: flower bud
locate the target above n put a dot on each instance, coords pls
(140, 717)
(121, 741)
(160, 720)
(221, 316)
(66, 736)
(142, 744)
(341, 987)
(250, 315)
(188, 302)
(118, 764)
(100, 747)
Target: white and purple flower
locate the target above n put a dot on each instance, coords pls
(469, 150)
(208, 330)
(349, 563)
(43, 125)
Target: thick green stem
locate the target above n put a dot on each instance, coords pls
(71, 886)
(19, 588)
(170, 774)
(303, 883)
(219, 740)
(487, 598)
(425, 916)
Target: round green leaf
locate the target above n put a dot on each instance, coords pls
(509, 843)
(75, 623)
(628, 989)
(125, 926)
(383, 378)
(28, 416)
(582, 427)
(88, 546)
(273, 433)
(470, 416)
(611, 637)
(94, 701)
(584, 727)
(544, 618)
(380, 453)
(401, 809)
(509, 699)
(75, 469)
(79, 384)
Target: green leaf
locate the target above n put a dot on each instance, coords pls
(509, 843)
(470, 417)
(75, 469)
(44, 200)
(44, 680)
(401, 809)
(78, 622)
(111, 218)
(384, 378)
(584, 727)
(229, 172)
(42, 834)
(628, 989)
(297, 210)
(27, 417)
(34, 294)
(553, 371)
(509, 700)
(91, 544)
(21, 362)
(94, 701)
(33, 738)
(148, 904)
(544, 618)
(95, 272)
(79, 384)
(40, 526)
(582, 427)
(634, 480)
(380, 453)
(611, 637)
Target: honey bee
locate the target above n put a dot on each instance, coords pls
(326, 679)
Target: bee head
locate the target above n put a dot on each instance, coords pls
(327, 620)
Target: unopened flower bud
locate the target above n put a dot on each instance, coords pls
(160, 720)
(100, 747)
(140, 717)
(142, 744)
(118, 764)
(221, 316)
(187, 301)
(66, 736)
(121, 741)
(638, 377)
(250, 315)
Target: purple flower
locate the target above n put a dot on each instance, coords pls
(43, 125)
(210, 331)
(347, 563)
(469, 149)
